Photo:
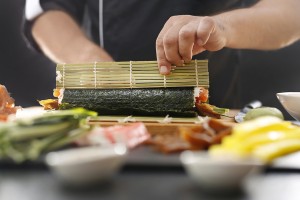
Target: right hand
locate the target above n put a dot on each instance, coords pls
(184, 36)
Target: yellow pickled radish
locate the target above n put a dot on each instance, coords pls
(265, 138)
(271, 151)
(256, 141)
(260, 125)
(262, 135)
(220, 151)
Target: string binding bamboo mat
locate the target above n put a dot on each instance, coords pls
(130, 74)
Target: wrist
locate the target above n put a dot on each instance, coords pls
(223, 29)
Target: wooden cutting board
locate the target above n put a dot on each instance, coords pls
(156, 125)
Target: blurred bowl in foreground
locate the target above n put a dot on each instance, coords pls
(86, 165)
(215, 173)
(291, 103)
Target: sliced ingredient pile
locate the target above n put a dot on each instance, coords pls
(265, 138)
(200, 137)
(7, 104)
(25, 139)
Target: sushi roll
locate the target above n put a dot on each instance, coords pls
(177, 101)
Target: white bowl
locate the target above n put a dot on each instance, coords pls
(217, 173)
(291, 103)
(85, 165)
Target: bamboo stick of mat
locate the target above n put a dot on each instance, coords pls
(130, 74)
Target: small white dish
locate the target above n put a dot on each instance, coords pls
(213, 173)
(291, 103)
(86, 165)
(289, 161)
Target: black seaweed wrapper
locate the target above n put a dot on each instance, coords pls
(136, 101)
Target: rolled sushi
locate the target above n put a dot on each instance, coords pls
(177, 101)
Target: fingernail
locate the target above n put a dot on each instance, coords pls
(163, 70)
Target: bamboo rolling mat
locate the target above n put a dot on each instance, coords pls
(130, 74)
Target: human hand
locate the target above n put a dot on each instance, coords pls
(184, 36)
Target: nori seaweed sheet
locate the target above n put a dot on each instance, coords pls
(136, 101)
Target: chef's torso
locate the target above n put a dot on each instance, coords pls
(128, 29)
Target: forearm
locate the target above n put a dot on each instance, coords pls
(62, 40)
(270, 24)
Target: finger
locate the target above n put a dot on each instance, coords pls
(187, 36)
(163, 64)
(171, 45)
(205, 28)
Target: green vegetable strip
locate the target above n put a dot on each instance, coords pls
(72, 136)
(221, 111)
(23, 133)
(144, 102)
(27, 139)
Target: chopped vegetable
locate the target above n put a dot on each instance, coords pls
(26, 139)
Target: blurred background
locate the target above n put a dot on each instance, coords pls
(30, 76)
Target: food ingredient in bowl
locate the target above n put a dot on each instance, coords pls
(263, 111)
